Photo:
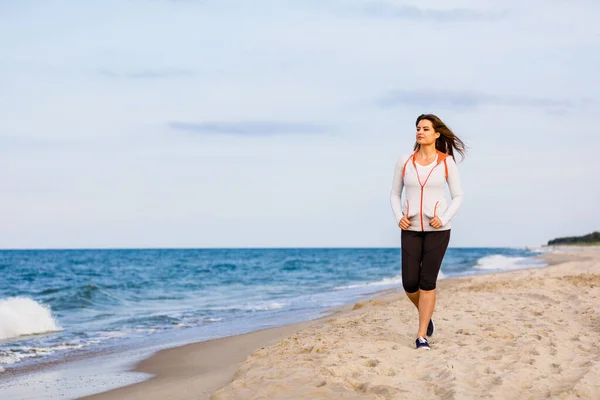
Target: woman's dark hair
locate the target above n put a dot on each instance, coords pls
(448, 141)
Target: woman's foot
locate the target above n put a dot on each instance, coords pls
(422, 343)
(430, 328)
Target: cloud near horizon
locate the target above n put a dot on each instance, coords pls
(149, 73)
(382, 9)
(250, 127)
(469, 100)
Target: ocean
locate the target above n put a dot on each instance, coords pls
(56, 304)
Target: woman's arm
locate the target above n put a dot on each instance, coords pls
(396, 193)
(455, 191)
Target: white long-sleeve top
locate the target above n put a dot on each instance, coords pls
(425, 196)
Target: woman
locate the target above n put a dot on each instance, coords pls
(424, 215)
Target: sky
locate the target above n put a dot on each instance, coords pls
(223, 123)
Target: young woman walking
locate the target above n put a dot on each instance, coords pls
(424, 215)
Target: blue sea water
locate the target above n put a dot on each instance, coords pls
(55, 303)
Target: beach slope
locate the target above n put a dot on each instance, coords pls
(527, 334)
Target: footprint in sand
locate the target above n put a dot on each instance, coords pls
(372, 363)
(556, 368)
(496, 357)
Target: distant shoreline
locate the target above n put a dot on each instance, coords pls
(589, 239)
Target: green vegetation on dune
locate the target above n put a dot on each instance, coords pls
(591, 238)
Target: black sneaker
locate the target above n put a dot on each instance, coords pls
(422, 343)
(430, 328)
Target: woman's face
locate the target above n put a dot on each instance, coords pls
(426, 135)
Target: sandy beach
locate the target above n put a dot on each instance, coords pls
(525, 334)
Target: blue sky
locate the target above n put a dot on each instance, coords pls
(157, 123)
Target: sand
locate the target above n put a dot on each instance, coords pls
(527, 334)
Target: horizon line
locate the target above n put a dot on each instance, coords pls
(252, 248)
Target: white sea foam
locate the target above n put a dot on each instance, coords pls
(13, 356)
(504, 263)
(395, 280)
(23, 316)
(265, 306)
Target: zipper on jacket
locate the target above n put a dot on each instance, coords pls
(422, 187)
(422, 227)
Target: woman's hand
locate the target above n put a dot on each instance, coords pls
(435, 223)
(404, 223)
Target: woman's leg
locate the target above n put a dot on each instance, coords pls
(434, 248)
(412, 252)
(426, 307)
(414, 297)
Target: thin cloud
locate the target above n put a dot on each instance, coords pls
(249, 127)
(183, 1)
(150, 74)
(27, 143)
(381, 9)
(469, 100)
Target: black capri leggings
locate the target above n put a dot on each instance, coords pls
(422, 255)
